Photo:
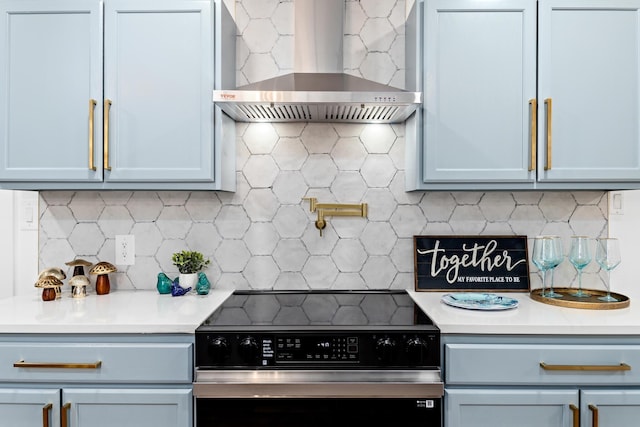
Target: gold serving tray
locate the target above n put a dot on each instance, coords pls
(591, 302)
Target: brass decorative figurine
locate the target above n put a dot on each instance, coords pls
(334, 209)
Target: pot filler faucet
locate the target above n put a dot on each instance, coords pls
(334, 209)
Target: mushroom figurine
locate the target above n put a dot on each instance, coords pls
(49, 284)
(58, 274)
(102, 270)
(78, 266)
(79, 285)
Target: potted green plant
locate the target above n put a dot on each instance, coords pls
(189, 263)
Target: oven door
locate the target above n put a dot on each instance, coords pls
(286, 398)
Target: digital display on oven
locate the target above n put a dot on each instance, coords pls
(317, 349)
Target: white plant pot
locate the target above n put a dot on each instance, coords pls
(188, 280)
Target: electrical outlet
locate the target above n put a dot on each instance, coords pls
(125, 249)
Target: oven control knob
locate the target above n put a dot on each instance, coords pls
(218, 349)
(416, 349)
(248, 349)
(385, 349)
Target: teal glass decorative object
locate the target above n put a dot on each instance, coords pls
(203, 285)
(164, 284)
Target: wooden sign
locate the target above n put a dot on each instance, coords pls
(471, 263)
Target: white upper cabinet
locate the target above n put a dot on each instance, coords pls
(153, 127)
(522, 94)
(589, 90)
(480, 59)
(50, 69)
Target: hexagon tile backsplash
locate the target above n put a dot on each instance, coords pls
(263, 236)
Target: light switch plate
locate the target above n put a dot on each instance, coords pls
(616, 205)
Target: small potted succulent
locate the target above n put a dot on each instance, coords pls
(189, 263)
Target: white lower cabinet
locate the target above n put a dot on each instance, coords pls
(69, 381)
(555, 382)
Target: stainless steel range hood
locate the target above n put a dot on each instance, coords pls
(318, 90)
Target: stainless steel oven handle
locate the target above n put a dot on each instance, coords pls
(318, 384)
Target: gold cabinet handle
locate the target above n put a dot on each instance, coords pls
(92, 109)
(46, 365)
(619, 367)
(533, 105)
(45, 414)
(576, 415)
(547, 103)
(107, 108)
(64, 415)
(594, 415)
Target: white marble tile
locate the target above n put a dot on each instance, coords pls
(260, 138)
(354, 17)
(55, 252)
(115, 197)
(354, 52)
(381, 204)
(378, 170)
(86, 239)
(378, 66)
(259, 66)
(378, 34)
(164, 253)
(289, 280)
(260, 35)
(378, 272)
(57, 222)
(290, 254)
(290, 187)
(349, 255)
(402, 255)
(290, 221)
(316, 244)
(467, 219)
(497, 206)
(203, 237)
(141, 274)
(319, 138)
(260, 8)
(144, 206)
(86, 206)
(261, 204)
(174, 222)
(378, 238)
(557, 206)
(232, 256)
(282, 18)
(349, 281)
(232, 222)
(348, 153)
(173, 198)
(260, 171)
(289, 154)
(261, 238)
(319, 272)
(588, 221)
(408, 220)
(147, 237)
(203, 205)
(378, 138)
(319, 170)
(261, 272)
(377, 8)
(438, 206)
(348, 187)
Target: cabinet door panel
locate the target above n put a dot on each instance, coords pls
(23, 407)
(615, 407)
(509, 408)
(480, 73)
(159, 76)
(589, 66)
(50, 67)
(129, 407)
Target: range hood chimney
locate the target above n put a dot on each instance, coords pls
(318, 90)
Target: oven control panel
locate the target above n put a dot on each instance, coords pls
(300, 350)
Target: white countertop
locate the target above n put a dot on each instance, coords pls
(120, 312)
(530, 317)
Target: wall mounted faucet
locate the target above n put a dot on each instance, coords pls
(334, 209)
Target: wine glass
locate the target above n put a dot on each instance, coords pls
(580, 257)
(541, 245)
(554, 257)
(608, 256)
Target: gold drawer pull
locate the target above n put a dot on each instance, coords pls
(620, 367)
(45, 414)
(64, 415)
(533, 105)
(45, 365)
(576, 415)
(594, 415)
(92, 108)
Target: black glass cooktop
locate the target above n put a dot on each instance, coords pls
(299, 309)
